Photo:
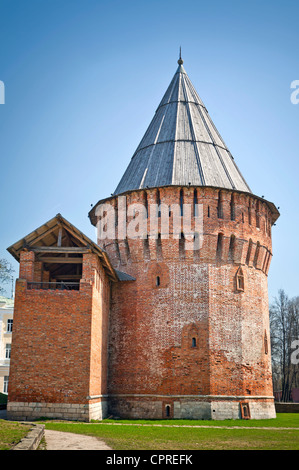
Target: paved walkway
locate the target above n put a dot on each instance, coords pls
(57, 440)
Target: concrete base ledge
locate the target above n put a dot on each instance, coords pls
(33, 438)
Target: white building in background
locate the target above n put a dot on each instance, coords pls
(6, 322)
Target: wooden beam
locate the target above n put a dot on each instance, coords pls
(68, 276)
(78, 237)
(61, 260)
(59, 249)
(67, 235)
(42, 235)
(59, 236)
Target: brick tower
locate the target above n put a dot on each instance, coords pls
(189, 338)
(166, 316)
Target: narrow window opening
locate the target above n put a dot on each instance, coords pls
(146, 203)
(159, 246)
(193, 342)
(146, 248)
(240, 280)
(158, 282)
(127, 248)
(159, 203)
(195, 203)
(182, 202)
(208, 211)
(182, 245)
(219, 245)
(232, 208)
(245, 412)
(116, 214)
(167, 411)
(220, 206)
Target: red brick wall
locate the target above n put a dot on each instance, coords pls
(151, 328)
(99, 326)
(27, 265)
(59, 341)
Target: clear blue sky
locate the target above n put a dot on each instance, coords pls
(83, 79)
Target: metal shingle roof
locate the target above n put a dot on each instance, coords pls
(182, 146)
(124, 276)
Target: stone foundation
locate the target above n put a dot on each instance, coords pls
(148, 407)
(23, 411)
(205, 407)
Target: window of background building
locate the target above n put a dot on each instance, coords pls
(5, 384)
(7, 351)
(9, 325)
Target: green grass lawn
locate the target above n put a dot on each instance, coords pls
(11, 433)
(282, 420)
(192, 435)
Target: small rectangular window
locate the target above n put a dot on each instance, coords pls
(245, 411)
(158, 281)
(5, 384)
(240, 280)
(193, 342)
(9, 325)
(7, 351)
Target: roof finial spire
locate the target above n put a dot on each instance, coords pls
(180, 61)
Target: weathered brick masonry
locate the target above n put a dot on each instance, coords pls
(196, 338)
(59, 353)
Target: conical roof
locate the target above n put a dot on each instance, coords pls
(182, 145)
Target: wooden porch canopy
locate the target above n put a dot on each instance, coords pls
(59, 242)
